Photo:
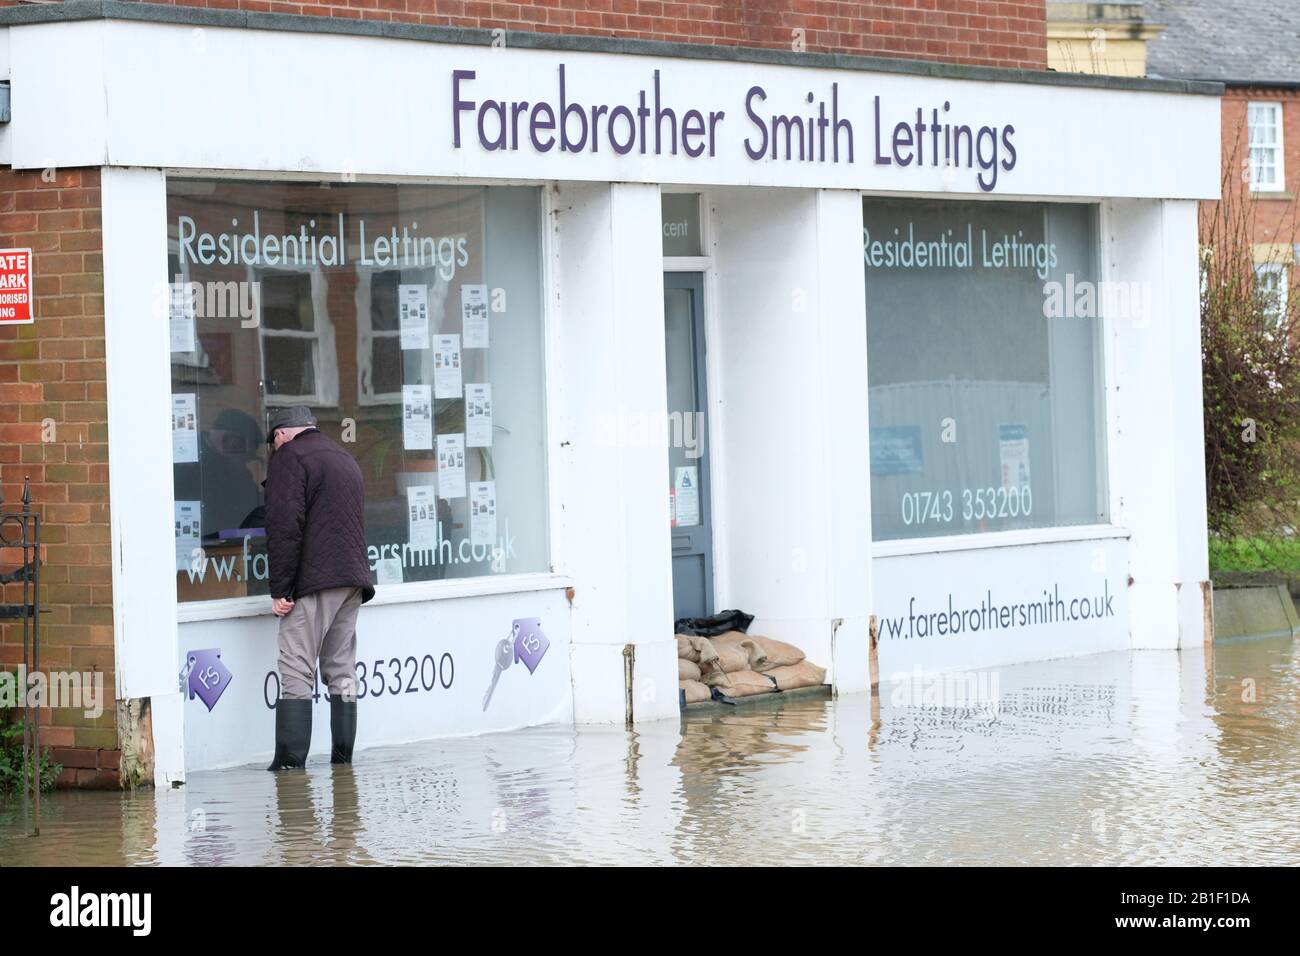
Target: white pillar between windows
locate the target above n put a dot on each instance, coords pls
(1157, 448)
(614, 523)
(791, 408)
(138, 365)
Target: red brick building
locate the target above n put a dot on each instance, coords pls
(1249, 46)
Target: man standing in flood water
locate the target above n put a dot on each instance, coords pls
(320, 577)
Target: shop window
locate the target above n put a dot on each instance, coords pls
(410, 319)
(1264, 126)
(985, 366)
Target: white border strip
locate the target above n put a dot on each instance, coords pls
(413, 592)
(906, 547)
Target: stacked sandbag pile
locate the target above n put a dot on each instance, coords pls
(741, 665)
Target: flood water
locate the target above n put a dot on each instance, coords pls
(1152, 757)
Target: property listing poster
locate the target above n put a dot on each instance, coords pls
(478, 416)
(474, 315)
(451, 466)
(417, 418)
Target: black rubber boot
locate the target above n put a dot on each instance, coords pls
(343, 729)
(292, 734)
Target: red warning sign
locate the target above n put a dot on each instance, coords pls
(15, 286)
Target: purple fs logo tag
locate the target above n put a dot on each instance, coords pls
(530, 642)
(208, 678)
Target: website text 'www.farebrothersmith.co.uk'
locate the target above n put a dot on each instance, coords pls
(989, 615)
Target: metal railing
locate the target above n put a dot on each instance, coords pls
(20, 530)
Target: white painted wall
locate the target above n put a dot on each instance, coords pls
(614, 521)
(139, 454)
(1187, 435)
(911, 587)
(96, 91)
(1156, 448)
(789, 405)
(412, 699)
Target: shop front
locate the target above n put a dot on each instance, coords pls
(912, 351)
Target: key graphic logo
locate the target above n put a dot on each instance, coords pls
(526, 643)
(208, 677)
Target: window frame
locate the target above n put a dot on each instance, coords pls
(1108, 490)
(557, 575)
(1274, 109)
(1281, 271)
(324, 358)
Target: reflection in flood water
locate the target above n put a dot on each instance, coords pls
(1115, 758)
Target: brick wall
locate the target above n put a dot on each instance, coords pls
(52, 372)
(1009, 33)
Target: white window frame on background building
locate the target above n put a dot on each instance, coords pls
(324, 363)
(1271, 278)
(367, 334)
(1264, 140)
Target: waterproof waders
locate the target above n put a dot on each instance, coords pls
(343, 729)
(292, 734)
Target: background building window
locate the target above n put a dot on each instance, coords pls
(985, 372)
(1264, 124)
(410, 319)
(1271, 289)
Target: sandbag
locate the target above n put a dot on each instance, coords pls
(803, 674)
(716, 624)
(777, 653)
(695, 691)
(728, 644)
(711, 673)
(687, 670)
(705, 652)
(685, 651)
(729, 637)
(733, 657)
(774, 653)
(746, 683)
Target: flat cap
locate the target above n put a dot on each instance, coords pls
(292, 416)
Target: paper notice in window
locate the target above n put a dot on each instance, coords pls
(474, 315)
(388, 571)
(446, 366)
(451, 466)
(185, 429)
(182, 319)
(483, 513)
(422, 516)
(478, 416)
(417, 417)
(1013, 450)
(188, 534)
(686, 497)
(413, 313)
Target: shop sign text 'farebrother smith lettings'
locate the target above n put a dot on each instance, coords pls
(823, 131)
